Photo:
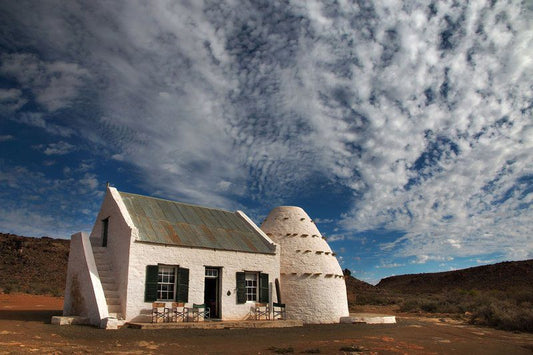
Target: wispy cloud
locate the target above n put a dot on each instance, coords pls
(422, 113)
(6, 137)
(36, 205)
(11, 100)
(58, 148)
(389, 266)
(54, 84)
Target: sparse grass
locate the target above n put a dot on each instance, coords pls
(508, 310)
(311, 351)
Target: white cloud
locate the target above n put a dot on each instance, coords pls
(90, 181)
(11, 100)
(59, 148)
(389, 265)
(37, 119)
(335, 238)
(54, 84)
(36, 205)
(422, 113)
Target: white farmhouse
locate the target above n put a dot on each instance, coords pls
(144, 249)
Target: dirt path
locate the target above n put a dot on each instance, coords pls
(24, 329)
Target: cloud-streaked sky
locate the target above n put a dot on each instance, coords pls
(404, 128)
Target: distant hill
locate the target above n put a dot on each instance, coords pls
(502, 276)
(356, 288)
(39, 266)
(33, 265)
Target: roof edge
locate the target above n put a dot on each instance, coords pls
(115, 195)
(204, 248)
(256, 228)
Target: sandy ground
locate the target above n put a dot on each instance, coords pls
(25, 328)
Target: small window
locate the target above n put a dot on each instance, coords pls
(166, 283)
(251, 286)
(105, 229)
(211, 273)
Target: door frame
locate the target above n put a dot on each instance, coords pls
(218, 288)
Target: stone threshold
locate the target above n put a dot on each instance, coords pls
(369, 318)
(218, 324)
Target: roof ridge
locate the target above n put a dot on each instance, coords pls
(178, 202)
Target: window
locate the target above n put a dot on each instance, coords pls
(211, 273)
(105, 228)
(251, 286)
(166, 282)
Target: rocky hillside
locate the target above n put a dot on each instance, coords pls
(33, 265)
(502, 277)
(39, 265)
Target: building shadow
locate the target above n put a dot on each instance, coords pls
(44, 316)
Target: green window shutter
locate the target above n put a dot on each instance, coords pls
(263, 288)
(150, 287)
(182, 293)
(241, 288)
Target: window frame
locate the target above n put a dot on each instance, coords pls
(211, 272)
(251, 291)
(160, 282)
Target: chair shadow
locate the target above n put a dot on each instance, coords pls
(44, 316)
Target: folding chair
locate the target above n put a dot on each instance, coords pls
(278, 310)
(177, 311)
(199, 310)
(261, 310)
(159, 312)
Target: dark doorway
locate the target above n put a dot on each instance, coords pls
(212, 291)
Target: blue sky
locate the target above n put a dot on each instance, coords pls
(403, 128)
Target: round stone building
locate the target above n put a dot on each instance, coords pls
(312, 283)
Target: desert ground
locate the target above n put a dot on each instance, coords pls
(25, 328)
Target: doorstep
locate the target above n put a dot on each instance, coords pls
(219, 324)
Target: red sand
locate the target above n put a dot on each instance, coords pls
(25, 328)
(22, 301)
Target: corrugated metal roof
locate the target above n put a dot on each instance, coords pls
(168, 222)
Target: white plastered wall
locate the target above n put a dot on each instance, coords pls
(120, 236)
(312, 283)
(195, 259)
(84, 295)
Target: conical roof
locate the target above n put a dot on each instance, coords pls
(312, 283)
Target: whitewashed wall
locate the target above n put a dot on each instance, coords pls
(121, 233)
(84, 295)
(312, 283)
(194, 259)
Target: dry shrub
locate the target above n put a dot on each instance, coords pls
(504, 314)
(511, 310)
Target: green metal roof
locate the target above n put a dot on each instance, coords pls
(168, 222)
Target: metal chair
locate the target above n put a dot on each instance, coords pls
(199, 310)
(261, 310)
(278, 310)
(177, 311)
(159, 312)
